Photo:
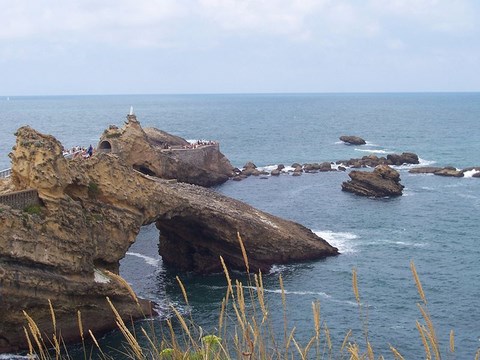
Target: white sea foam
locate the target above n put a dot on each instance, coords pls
(148, 259)
(100, 277)
(368, 143)
(16, 357)
(373, 151)
(277, 269)
(343, 241)
(470, 173)
(421, 163)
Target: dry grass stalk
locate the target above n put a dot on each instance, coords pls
(244, 252)
(36, 334)
(344, 343)
(126, 333)
(261, 295)
(417, 282)
(353, 350)
(124, 283)
(229, 281)
(316, 317)
(327, 336)
(452, 341)
(396, 354)
(184, 325)
(370, 354)
(431, 331)
(56, 344)
(355, 285)
(80, 324)
(422, 331)
(477, 355)
(94, 339)
(30, 347)
(184, 292)
(302, 354)
(221, 316)
(289, 340)
(284, 305)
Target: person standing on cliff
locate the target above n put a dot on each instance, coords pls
(90, 151)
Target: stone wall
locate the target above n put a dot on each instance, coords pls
(202, 156)
(20, 199)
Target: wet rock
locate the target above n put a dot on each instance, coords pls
(449, 171)
(382, 182)
(425, 170)
(404, 158)
(352, 140)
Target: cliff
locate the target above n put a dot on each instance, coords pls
(68, 248)
(155, 152)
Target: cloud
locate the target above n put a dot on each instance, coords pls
(94, 21)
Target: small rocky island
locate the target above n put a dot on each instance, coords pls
(70, 222)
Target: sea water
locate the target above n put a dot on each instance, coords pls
(435, 223)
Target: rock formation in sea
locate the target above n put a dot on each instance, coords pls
(155, 152)
(67, 248)
(383, 181)
(352, 140)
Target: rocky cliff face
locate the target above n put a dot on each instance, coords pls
(155, 152)
(68, 249)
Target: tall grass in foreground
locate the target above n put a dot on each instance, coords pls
(244, 331)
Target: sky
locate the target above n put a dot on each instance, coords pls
(76, 47)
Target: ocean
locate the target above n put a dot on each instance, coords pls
(435, 223)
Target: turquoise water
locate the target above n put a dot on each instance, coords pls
(435, 223)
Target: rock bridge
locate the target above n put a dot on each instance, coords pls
(91, 213)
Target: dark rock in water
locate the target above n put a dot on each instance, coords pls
(352, 140)
(275, 172)
(296, 173)
(296, 165)
(280, 167)
(449, 171)
(425, 170)
(476, 175)
(249, 165)
(383, 181)
(325, 166)
(342, 168)
(404, 158)
(239, 177)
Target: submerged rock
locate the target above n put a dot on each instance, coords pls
(382, 182)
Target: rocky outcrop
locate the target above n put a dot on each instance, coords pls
(448, 171)
(382, 182)
(405, 158)
(155, 152)
(68, 249)
(352, 140)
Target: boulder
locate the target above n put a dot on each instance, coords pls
(325, 166)
(249, 165)
(382, 182)
(404, 158)
(352, 140)
(425, 170)
(275, 172)
(449, 171)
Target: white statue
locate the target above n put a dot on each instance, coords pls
(131, 110)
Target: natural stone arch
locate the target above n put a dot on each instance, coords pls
(105, 146)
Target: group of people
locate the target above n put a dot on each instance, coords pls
(199, 143)
(79, 152)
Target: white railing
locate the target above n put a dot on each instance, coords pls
(6, 173)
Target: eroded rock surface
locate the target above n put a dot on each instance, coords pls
(155, 152)
(68, 249)
(382, 182)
